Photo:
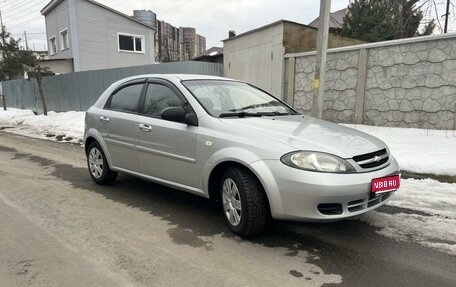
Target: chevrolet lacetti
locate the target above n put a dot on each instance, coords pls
(237, 145)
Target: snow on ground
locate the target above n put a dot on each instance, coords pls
(418, 150)
(428, 215)
(427, 208)
(66, 127)
(428, 196)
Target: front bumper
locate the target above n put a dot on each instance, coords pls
(312, 196)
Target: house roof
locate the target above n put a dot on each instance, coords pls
(212, 52)
(55, 60)
(282, 21)
(336, 19)
(267, 26)
(54, 3)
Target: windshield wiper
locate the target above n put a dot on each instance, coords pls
(274, 113)
(270, 104)
(239, 114)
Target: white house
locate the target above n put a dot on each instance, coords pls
(86, 35)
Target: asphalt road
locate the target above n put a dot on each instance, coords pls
(57, 228)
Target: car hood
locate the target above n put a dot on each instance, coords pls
(308, 133)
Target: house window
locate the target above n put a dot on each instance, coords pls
(131, 43)
(64, 43)
(52, 46)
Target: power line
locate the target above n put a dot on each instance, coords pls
(20, 34)
(39, 17)
(36, 18)
(24, 12)
(434, 9)
(177, 5)
(437, 16)
(15, 4)
(26, 22)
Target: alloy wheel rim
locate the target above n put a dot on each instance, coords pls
(95, 162)
(231, 202)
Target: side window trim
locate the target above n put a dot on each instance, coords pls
(142, 81)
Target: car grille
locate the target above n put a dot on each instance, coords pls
(373, 159)
(372, 200)
(354, 205)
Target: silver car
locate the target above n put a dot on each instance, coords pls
(233, 143)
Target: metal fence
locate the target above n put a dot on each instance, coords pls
(78, 91)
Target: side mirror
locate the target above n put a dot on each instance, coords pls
(178, 114)
(191, 119)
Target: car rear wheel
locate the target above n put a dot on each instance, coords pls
(243, 201)
(98, 166)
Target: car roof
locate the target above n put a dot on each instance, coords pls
(179, 77)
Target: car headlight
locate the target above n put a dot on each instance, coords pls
(317, 161)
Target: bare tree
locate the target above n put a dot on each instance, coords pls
(38, 72)
(435, 9)
(16, 62)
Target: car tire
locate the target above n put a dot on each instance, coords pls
(244, 203)
(98, 165)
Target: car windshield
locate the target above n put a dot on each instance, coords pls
(228, 98)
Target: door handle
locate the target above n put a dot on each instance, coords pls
(104, 119)
(145, 128)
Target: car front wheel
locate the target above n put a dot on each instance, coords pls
(244, 202)
(98, 166)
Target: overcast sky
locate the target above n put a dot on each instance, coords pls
(211, 18)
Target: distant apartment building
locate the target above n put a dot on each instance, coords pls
(86, 35)
(172, 43)
(200, 45)
(190, 41)
(168, 45)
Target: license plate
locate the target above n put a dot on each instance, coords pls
(385, 184)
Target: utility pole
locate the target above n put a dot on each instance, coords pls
(1, 26)
(25, 37)
(322, 45)
(445, 29)
(1, 29)
(2, 97)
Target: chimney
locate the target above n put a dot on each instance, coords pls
(231, 34)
